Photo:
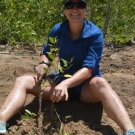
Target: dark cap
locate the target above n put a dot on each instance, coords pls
(65, 1)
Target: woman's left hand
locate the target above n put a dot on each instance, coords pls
(60, 91)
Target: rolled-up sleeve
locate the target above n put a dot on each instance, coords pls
(94, 51)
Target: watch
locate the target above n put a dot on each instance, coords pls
(44, 62)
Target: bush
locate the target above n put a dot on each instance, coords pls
(29, 21)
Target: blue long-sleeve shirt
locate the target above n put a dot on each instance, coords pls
(86, 49)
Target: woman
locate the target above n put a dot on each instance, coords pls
(82, 40)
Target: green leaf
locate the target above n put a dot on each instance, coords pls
(69, 66)
(60, 69)
(28, 112)
(33, 114)
(52, 40)
(50, 45)
(33, 33)
(52, 49)
(71, 60)
(56, 50)
(67, 76)
(24, 116)
(51, 55)
(55, 39)
(65, 62)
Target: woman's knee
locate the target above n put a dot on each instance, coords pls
(26, 81)
(98, 82)
(99, 86)
(92, 90)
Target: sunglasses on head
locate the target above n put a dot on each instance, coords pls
(79, 5)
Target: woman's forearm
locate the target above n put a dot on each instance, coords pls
(79, 77)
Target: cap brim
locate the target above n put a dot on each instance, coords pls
(69, 0)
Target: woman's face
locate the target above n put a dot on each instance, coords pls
(75, 10)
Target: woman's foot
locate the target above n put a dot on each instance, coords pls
(2, 127)
(129, 132)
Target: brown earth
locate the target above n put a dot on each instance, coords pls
(118, 67)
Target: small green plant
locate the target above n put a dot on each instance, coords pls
(54, 61)
(28, 114)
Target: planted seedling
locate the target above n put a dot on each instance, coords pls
(54, 61)
(28, 114)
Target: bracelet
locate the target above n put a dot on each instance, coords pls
(44, 62)
(41, 53)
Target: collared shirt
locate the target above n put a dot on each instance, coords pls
(86, 49)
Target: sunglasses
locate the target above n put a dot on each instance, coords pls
(79, 5)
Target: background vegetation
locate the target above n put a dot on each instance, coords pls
(29, 21)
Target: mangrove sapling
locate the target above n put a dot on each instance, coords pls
(54, 62)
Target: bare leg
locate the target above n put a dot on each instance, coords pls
(17, 97)
(98, 89)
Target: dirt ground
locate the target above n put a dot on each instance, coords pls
(118, 67)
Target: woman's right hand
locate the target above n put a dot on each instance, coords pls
(40, 71)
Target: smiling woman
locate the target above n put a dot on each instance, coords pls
(82, 40)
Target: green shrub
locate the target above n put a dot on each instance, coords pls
(29, 21)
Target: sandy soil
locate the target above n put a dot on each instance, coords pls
(118, 67)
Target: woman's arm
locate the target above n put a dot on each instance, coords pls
(61, 89)
(79, 77)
